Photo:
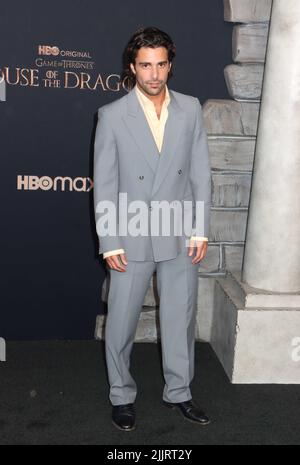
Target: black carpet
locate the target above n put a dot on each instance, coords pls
(56, 392)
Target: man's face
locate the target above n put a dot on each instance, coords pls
(151, 69)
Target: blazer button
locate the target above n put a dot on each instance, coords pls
(179, 171)
(141, 177)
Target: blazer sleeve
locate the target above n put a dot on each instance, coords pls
(106, 183)
(200, 176)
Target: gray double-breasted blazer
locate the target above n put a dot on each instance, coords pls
(126, 160)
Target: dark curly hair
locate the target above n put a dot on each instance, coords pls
(145, 37)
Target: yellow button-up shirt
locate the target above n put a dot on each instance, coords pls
(157, 126)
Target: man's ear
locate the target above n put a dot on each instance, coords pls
(132, 68)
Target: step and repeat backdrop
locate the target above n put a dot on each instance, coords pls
(59, 62)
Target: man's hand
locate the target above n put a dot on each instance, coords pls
(117, 262)
(199, 248)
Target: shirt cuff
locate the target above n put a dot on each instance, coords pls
(198, 238)
(113, 252)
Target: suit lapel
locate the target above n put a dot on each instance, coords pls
(138, 126)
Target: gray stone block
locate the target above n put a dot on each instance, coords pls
(148, 327)
(231, 190)
(268, 347)
(211, 262)
(100, 327)
(223, 328)
(247, 11)
(228, 117)
(244, 82)
(259, 298)
(255, 345)
(231, 153)
(152, 299)
(233, 255)
(228, 225)
(105, 288)
(249, 43)
(205, 308)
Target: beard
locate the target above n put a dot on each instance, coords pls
(148, 89)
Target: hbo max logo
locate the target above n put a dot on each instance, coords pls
(46, 183)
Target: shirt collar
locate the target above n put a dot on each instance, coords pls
(147, 102)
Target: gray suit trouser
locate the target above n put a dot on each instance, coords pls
(177, 285)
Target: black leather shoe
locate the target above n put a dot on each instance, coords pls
(123, 417)
(190, 411)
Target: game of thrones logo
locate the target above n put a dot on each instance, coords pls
(67, 69)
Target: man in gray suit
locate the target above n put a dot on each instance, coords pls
(151, 150)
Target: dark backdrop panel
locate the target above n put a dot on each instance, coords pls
(51, 275)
